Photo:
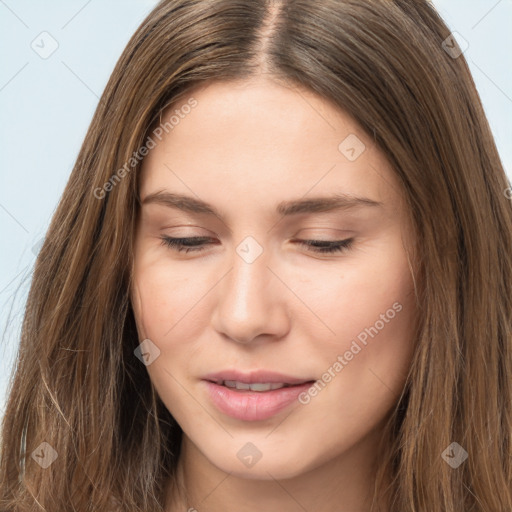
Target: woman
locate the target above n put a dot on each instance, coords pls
(278, 278)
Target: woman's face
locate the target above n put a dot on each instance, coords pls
(251, 302)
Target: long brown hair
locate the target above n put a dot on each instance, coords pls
(79, 387)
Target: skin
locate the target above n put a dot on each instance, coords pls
(244, 148)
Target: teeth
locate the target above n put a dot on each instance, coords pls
(257, 386)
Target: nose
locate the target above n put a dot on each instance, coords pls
(251, 302)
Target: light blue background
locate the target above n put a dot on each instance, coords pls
(46, 106)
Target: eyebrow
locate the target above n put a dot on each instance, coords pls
(285, 208)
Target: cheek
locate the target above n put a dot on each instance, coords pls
(167, 297)
(374, 320)
(364, 370)
(371, 288)
(167, 308)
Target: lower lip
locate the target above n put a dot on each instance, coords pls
(253, 405)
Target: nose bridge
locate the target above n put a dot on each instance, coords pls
(248, 300)
(245, 290)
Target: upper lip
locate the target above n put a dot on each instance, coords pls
(255, 376)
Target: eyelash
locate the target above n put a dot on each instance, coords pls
(322, 246)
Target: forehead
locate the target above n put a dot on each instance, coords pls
(259, 143)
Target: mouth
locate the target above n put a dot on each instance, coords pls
(238, 379)
(253, 397)
(258, 387)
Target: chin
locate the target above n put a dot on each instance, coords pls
(269, 467)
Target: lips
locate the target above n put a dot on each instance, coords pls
(253, 396)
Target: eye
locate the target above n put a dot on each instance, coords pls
(195, 244)
(327, 246)
(198, 243)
